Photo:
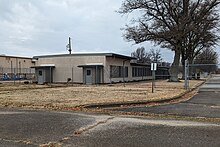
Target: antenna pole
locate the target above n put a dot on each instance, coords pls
(70, 50)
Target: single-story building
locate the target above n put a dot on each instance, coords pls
(90, 68)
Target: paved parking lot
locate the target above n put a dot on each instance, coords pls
(22, 127)
(32, 128)
(28, 128)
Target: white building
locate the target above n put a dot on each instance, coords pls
(93, 68)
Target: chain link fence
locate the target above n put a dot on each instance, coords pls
(7, 74)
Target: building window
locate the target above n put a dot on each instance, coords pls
(40, 73)
(88, 72)
(140, 72)
(118, 71)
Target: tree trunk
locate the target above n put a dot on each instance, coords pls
(183, 68)
(174, 69)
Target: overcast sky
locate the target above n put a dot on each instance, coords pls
(39, 27)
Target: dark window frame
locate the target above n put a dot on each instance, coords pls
(140, 71)
(118, 71)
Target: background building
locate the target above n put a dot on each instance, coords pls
(12, 67)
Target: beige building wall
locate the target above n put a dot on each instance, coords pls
(67, 66)
(13, 64)
(116, 62)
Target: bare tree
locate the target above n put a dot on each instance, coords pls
(147, 57)
(173, 24)
(155, 55)
(207, 56)
(203, 34)
(141, 55)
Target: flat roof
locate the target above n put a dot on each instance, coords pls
(6, 56)
(44, 66)
(87, 54)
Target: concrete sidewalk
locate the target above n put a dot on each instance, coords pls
(213, 84)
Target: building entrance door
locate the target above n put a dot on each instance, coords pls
(88, 76)
(40, 77)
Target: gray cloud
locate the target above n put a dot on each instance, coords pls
(44, 25)
(36, 27)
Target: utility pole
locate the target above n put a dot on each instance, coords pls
(69, 46)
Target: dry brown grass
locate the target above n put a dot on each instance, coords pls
(41, 96)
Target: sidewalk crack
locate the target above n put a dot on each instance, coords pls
(87, 128)
(77, 132)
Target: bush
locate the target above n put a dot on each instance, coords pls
(26, 82)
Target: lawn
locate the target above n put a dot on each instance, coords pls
(70, 96)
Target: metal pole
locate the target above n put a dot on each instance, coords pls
(50, 76)
(124, 74)
(186, 75)
(124, 71)
(96, 74)
(16, 65)
(11, 69)
(72, 76)
(153, 69)
(19, 71)
(14, 76)
(153, 80)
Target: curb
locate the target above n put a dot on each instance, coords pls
(119, 104)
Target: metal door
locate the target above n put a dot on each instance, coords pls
(40, 77)
(88, 76)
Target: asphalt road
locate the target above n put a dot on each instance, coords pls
(205, 104)
(28, 128)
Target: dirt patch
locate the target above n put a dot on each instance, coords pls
(45, 96)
